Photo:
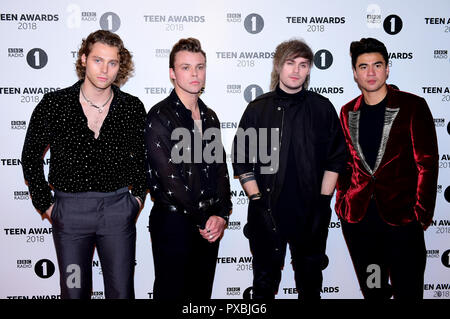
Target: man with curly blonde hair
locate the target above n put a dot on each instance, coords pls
(96, 136)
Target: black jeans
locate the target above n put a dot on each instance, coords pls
(306, 237)
(83, 221)
(381, 252)
(185, 262)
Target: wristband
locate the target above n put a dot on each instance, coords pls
(255, 196)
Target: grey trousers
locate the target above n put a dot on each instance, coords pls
(85, 221)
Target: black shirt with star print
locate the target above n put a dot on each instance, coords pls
(79, 162)
(178, 172)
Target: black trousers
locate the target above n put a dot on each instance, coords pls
(184, 262)
(307, 247)
(381, 252)
(268, 265)
(83, 221)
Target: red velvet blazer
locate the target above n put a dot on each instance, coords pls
(404, 179)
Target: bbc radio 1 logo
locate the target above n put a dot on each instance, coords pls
(447, 194)
(253, 23)
(439, 122)
(234, 225)
(433, 253)
(323, 59)
(162, 53)
(234, 89)
(109, 21)
(373, 16)
(43, 268)
(37, 58)
(248, 293)
(233, 291)
(440, 54)
(21, 195)
(392, 24)
(97, 295)
(252, 91)
(445, 259)
(15, 53)
(18, 125)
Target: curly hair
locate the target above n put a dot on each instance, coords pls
(291, 49)
(189, 44)
(126, 65)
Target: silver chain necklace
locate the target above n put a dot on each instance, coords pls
(99, 108)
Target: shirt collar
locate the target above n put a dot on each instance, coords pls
(180, 107)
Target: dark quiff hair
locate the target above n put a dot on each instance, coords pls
(367, 45)
(189, 44)
(126, 66)
(290, 49)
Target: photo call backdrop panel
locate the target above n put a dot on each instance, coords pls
(40, 40)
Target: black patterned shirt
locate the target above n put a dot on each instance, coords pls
(186, 183)
(78, 161)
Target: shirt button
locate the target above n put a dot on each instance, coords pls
(268, 189)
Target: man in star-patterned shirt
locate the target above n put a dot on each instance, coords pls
(188, 181)
(95, 133)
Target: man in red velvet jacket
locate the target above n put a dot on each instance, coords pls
(386, 198)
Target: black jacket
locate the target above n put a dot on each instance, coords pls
(311, 121)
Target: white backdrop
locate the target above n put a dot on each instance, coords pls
(37, 54)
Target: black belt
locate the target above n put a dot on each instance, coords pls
(202, 205)
(199, 218)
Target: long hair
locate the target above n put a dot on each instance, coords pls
(290, 49)
(126, 66)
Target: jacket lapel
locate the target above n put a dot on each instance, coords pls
(353, 127)
(389, 116)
